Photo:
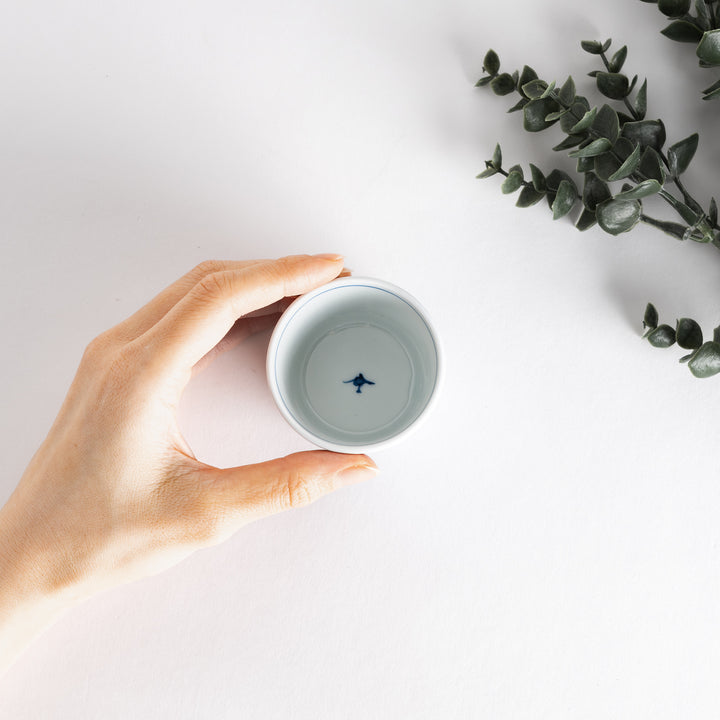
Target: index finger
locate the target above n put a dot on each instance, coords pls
(204, 315)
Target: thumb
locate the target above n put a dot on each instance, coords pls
(250, 492)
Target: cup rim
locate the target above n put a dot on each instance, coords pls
(289, 314)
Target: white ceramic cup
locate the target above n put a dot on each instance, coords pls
(354, 365)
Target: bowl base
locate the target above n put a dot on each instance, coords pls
(358, 378)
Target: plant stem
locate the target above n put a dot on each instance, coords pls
(689, 199)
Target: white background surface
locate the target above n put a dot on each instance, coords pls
(546, 546)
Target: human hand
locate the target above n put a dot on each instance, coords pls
(115, 493)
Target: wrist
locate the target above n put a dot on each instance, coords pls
(29, 599)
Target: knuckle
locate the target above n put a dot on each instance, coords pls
(297, 489)
(214, 285)
(97, 350)
(118, 374)
(207, 267)
(123, 362)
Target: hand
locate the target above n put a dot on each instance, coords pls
(114, 493)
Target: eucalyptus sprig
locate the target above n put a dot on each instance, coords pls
(610, 145)
(701, 27)
(704, 358)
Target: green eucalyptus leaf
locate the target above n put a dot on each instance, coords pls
(596, 147)
(529, 196)
(548, 90)
(651, 165)
(526, 75)
(673, 229)
(591, 46)
(483, 81)
(609, 163)
(512, 182)
(488, 172)
(648, 133)
(553, 182)
(688, 334)
(605, 46)
(570, 141)
(606, 123)
(586, 220)
(673, 8)
(554, 179)
(491, 63)
(681, 153)
(595, 191)
(570, 120)
(706, 361)
(651, 318)
(582, 102)
(640, 104)
(713, 212)
(534, 89)
(662, 336)
(497, 157)
(709, 48)
(552, 117)
(618, 59)
(703, 14)
(535, 112)
(683, 31)
(538, 179)
(686, 358)
(629, 166)
(715, 86)
(695, 206)
(613, 85)
(519, 105)
(585, 122)
(585, 165)
(686, 213)
(606, 165)
(503, 84)
(713, 94)
(618, 216)
(623, 148)
(641, 190)
(567, 92)
(564, 199)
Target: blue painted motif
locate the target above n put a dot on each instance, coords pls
(358, 382)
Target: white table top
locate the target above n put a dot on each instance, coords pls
(546, 546)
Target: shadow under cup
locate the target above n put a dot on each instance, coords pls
(353, 365)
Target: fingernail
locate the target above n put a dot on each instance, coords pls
(358, 473)
(332, 257)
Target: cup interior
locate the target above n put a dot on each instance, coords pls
(353, 364)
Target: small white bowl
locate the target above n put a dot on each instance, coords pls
(354, 365)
